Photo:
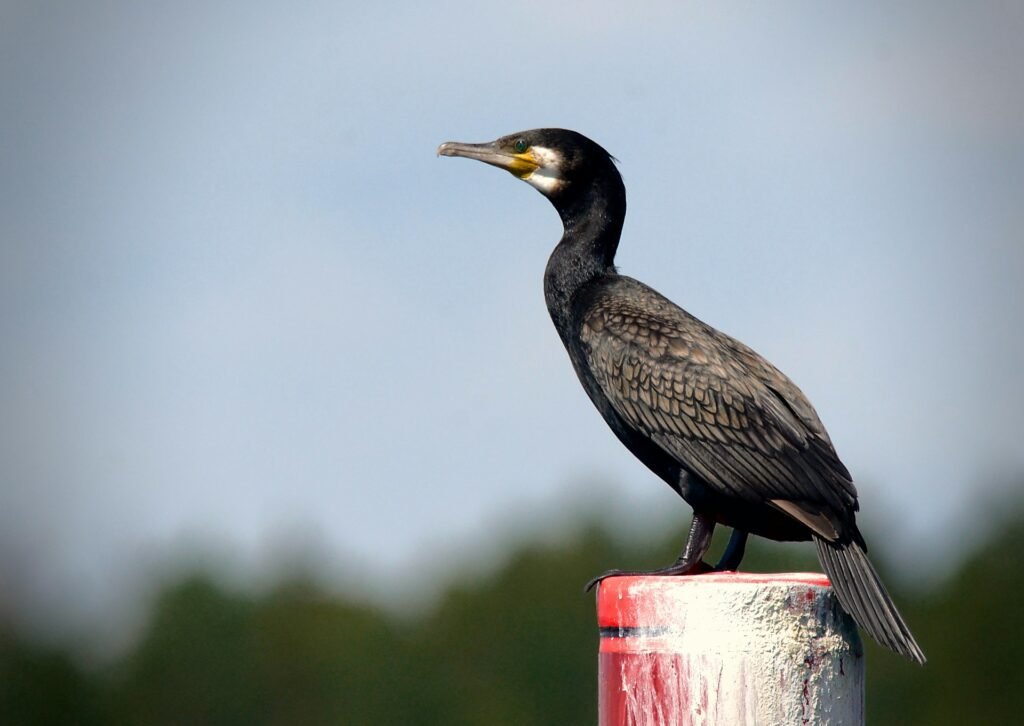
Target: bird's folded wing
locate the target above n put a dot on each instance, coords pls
(717, 407)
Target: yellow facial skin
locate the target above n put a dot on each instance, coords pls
(524, 164)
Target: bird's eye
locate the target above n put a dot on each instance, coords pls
(520, 146)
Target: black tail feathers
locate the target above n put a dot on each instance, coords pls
(863, 596)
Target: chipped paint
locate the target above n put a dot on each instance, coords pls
(727, 648)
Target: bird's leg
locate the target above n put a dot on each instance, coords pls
(733, 554)
(690, 560)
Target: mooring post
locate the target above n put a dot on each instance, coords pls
(727, 648)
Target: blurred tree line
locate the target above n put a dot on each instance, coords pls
(517, 646)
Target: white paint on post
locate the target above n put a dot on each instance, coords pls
(727, 648)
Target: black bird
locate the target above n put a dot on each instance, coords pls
(721, 425)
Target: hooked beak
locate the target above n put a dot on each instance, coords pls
(522, 165)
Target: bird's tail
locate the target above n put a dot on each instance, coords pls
(863, 596)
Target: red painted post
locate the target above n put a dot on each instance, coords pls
(727, 648)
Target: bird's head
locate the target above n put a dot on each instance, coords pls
(557, 162)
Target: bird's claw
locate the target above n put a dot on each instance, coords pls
(611, 573)
(698, 568)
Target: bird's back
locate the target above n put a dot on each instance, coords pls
(712, 403)
(654, 316)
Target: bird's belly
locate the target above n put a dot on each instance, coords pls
(754, 517)
(760, 519)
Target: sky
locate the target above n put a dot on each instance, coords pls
(243, 305)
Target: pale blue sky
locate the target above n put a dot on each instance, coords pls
(242, 302)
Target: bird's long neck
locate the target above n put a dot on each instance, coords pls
(592, 218)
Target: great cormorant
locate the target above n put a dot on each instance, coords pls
(721, 425)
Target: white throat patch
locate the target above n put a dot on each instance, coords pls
(547, 176)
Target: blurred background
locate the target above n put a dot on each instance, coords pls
(286, 435)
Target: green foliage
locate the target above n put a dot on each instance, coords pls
(520, 647)
(972, 630)
(39, 686)
(515, 647)
(295, 656)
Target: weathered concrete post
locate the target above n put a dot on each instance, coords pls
(727, 648)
